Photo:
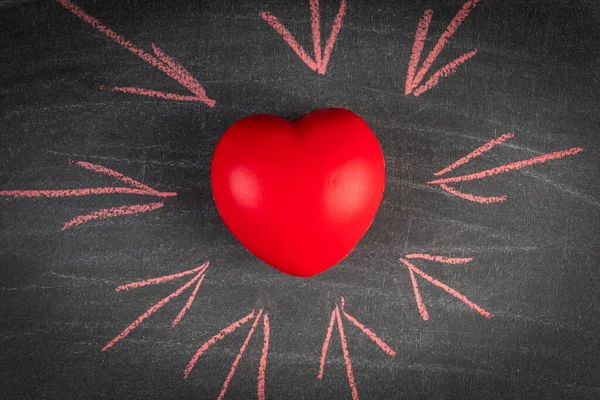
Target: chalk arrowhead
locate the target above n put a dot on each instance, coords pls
(414, 76)
(321, 59)
(160, 60)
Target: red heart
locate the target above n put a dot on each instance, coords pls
(299, 194)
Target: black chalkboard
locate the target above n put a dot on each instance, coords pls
(110, 112)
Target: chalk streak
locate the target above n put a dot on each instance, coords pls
(289, 39)
(420, 305)
(448, 289)
(315, 18)
(79, 192)
(371, 335)
(159, 94)
(349, 372)
(111, 213)
(149, 312)
(182, 75)
(437, 49)
(219, 336)
(188, 304)
(335, 30)
(139, 188)
(443, 72)
(509, 167)
(161, 279)
(262, 369)
(239, 357)
(321, 60)
(472, 197)
(440, 259)
(326, 344)
(185, 80)
(114, 174)
(476, 153)
(115, 37)
(417, 50)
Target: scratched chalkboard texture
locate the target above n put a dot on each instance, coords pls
(480, 280)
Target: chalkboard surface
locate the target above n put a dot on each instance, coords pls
(479, 277)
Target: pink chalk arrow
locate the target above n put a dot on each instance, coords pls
(336, 318)
(319, 63)
(443, 182)
(160, 60)
(136, 188)
(199, 274)
(412, 270)
(414, 77)
(230, 329)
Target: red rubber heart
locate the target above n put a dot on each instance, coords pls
(299, 194)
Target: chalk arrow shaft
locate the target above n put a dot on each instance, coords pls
(262, 368)
(417, 50)
(81, 192)
(349, 373)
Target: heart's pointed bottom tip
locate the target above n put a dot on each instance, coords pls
(302, 276)
(304, 272)
(297, 272)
